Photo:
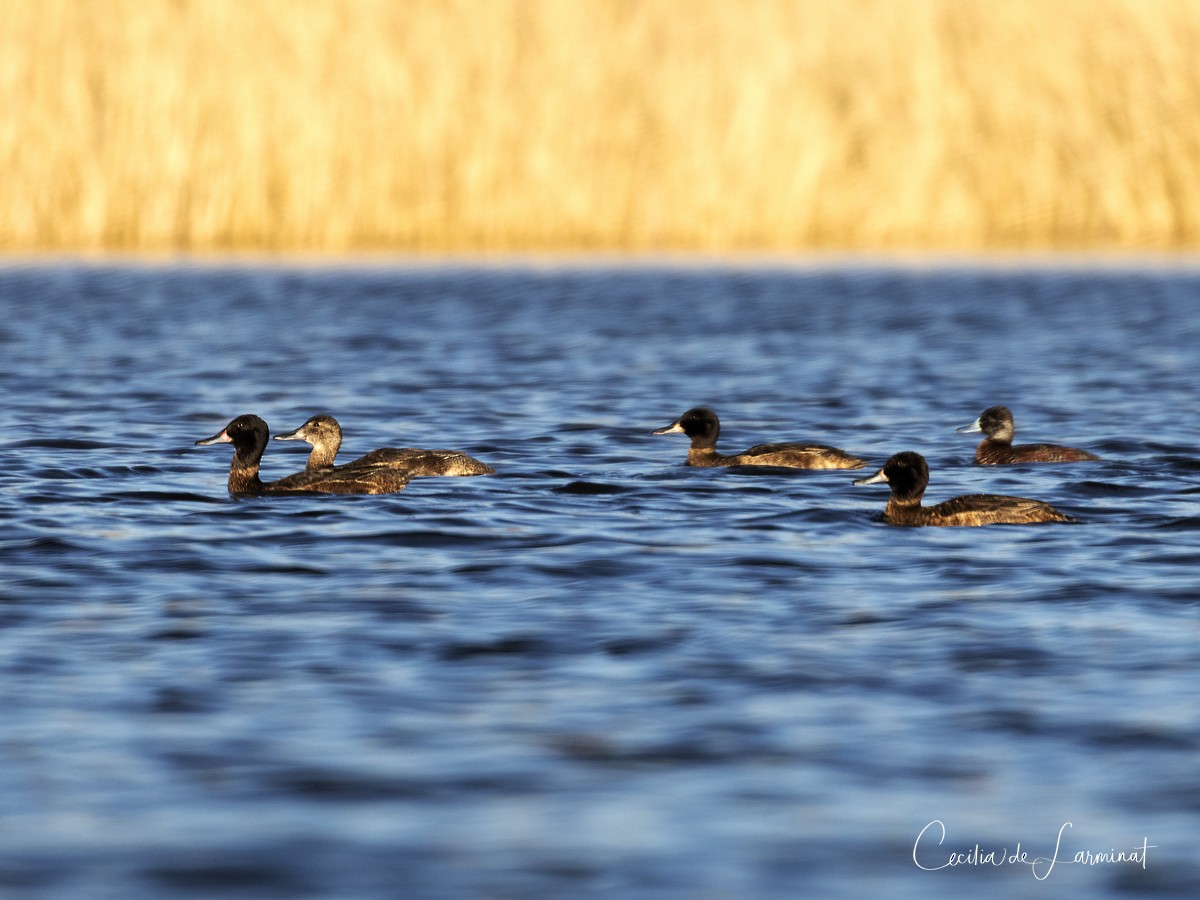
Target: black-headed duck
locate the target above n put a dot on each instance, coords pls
(997, 447)
(324, 434)
(249, 435)
(907, 474)
(703, 427)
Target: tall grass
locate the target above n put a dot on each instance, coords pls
(545, 125)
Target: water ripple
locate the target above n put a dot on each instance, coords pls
(600, 670)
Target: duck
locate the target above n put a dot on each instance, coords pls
(907, 474)
(997, 448)
(324, 434)
(249, 435)
(703, 427)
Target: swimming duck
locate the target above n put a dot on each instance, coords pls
(703, 427)
(249, 435)
(907, 474)
(325, 435)
(997, 447)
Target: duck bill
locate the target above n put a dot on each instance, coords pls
(673, 428)
(969, 429)
(219, 438)
(291, 435)
(877, 478)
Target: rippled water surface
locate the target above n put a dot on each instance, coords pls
(598, 672)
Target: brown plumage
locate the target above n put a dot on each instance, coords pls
(997, 447)
(324, 434)
(703, 427)
(249, 435)
(907, 474)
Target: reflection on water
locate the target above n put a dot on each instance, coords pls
(597, 671)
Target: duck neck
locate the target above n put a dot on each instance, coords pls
(322, 456)
(704, 455)
(903, 511)
(243, 471)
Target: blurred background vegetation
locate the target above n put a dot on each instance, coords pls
(462, 126)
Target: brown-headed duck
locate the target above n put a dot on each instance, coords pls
(325, 435)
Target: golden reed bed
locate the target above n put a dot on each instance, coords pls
(565, 125)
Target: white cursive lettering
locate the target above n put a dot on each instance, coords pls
(1054, 858)
(1040, 867)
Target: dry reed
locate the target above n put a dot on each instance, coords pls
(567, 125)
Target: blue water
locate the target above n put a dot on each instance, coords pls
(597, 672)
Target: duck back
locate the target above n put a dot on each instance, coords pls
(992, 453)
(349, 479)
(794, 455)
(421, 462)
